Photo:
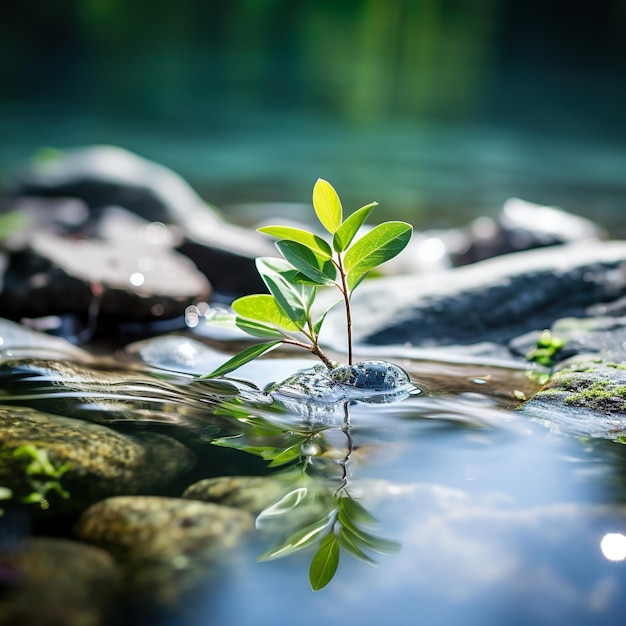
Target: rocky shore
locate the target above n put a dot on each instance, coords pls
(108, 269)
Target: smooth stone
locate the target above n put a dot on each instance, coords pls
(250, 493)
(372, 376)
(520, 225)
(101, 462)
(16, 339)
(167, 547)
(103, 176)
(58, 582)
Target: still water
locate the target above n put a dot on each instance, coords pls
(500, 521)
(493, 518)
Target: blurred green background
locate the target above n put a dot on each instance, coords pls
(438, 109)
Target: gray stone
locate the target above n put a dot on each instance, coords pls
(520, 225)
(488, 302)
(130, 273)
(102, 176)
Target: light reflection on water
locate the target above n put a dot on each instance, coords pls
(497, 523)
(501, 521)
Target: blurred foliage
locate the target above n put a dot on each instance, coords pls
(359, 58)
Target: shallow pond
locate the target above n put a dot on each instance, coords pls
(484, 516)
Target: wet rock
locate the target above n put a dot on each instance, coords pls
(320, 394)
(16, 339)
(60, 583)
(487, 303)
(586, 398)
(99, 461)
(176, 353)
(167, 547)
(372, 377)
(129, 273)
(226, 254)
(519, 226)
(250, 493)
(99, 177)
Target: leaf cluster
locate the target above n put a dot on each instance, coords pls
(284, 315)
(43, 477)
(344, 525)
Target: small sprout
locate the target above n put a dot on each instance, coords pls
(546, 348)
(284, 316)
(519, 395)
(37, 471)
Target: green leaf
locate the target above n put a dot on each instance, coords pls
(347, 541)
(243, 357)
(302, 279)
(234, 322)
(355, 280)
(256, 329)
(301, 236)
(377, 544)
(264, 307)
(299, 540)
(294, 298)
(327, 205)
(345, 233)
(382, 243)
(285, 455)
(314, 266)
(325, 562)
(356, 511)
(317, 327)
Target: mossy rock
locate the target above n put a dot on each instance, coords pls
(585, 398)
(99, 461)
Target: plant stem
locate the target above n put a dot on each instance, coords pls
(346, 298)
(314, 348)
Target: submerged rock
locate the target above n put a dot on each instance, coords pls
(166, 546)
(250, 493)
(58, 582)
(99, 461)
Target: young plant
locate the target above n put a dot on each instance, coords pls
(284, 315)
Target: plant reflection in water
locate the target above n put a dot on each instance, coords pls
(317, 510)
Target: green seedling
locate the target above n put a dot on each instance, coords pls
(284, 315)
(546, 349)
(43, 476)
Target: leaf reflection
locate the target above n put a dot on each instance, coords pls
(316, 511)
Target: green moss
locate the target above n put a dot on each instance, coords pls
(601, 395)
